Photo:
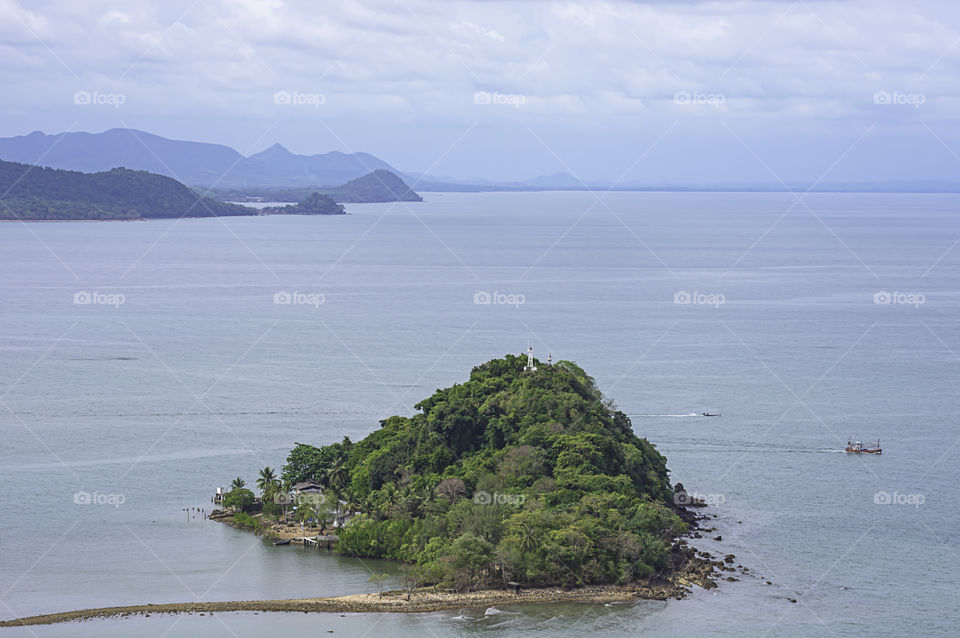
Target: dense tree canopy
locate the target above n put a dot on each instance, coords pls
(513, 475)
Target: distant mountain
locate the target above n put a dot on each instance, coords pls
(31, 192)
(378, 186)
(555, 181)
(194, 163)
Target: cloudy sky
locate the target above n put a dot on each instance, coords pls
(664, 92)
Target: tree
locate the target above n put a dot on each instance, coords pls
(470, 558)
(337, 476)
(324, 519)
(380, 579)
(452, 488)
(303, 463)
(412, 576)
(306, 510)
(267, 480)
(239, 498)
(237, 484)
(285, 488)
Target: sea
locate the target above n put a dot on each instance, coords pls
(145, 364)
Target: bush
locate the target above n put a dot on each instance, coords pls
(241, 499)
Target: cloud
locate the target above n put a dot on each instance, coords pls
(593, 67)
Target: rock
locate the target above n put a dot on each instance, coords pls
(718, 538)
(729, 558)
(793, 600)
(769, 583)
(682, 498)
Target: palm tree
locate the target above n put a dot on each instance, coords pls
(337, 475)
(237, 484)
(353, 500)
(528, 536)
(286, 486)
(390, 498)
(268, 481)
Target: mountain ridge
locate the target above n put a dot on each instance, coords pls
(198, 164)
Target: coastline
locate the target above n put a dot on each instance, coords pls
(690, 568)
(420, 601)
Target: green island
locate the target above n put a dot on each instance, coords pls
(38, 193)
(522, 484)
(517, 475)
(35, 193)
(312, 204)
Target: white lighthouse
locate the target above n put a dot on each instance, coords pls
(530, 367)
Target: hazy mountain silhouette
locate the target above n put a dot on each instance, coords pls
(193, 163)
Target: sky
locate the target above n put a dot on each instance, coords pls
(654, 93)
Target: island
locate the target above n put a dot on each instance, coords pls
(38, 193)
(312, 204)
(521, 484)
(379, 186)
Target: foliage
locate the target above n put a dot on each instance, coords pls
(33, 192)
(512, 475)
(248, 521)
(313, 204)
(240, 498)
(268, 482)
(245, 520)
(380, 580)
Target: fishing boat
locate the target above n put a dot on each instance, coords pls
(285, 541)
(856, 447)
(710, 414)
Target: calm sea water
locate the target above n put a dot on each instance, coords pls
(195, 375)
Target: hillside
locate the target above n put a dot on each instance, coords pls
(378, 186)
(35, 193)
(513, 475)
(193, 163)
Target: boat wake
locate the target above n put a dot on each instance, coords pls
(652, 416)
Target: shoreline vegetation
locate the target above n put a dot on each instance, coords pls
(521, 484)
